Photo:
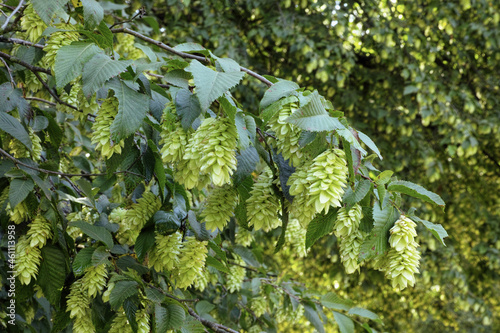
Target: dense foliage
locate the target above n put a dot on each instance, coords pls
(159, 188)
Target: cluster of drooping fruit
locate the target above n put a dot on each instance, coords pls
(318, 185)
(403, 257)
(244, 237)
(28, 254)
(259, 305)
(296, 237)
(57, 40)
(286, 135)
(173, 137)
(165, 255)
(209, 155)
(33, 24)
(219, 207)
(350, 237)
(101, 129)
(19, 150)
(263, 205)
(191, 263)
(133, 220)
(126, 48)
(20, 213)
(85, 214)
(78, 306)
(236, 275)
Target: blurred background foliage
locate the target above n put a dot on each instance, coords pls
(421, 79)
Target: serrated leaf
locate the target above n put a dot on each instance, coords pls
(247, 255)
(384, 177)
(211, 261)
(192, 48)
(179, 78)
(332, 301)
(346, 133)
(132, 109)
(13, 127)
(93, 13)
(312, 315)
(436, 229)
(187, 107)
(320, 226)
(243, 134)
(246, 163)
(211, 84)
(363, 313)
(11, 98)
(19, 190)
(98, 233)
(346, 325)
(369, 143)
(360, 191)
(216, 248)
(199, 228)
(192, 325)
(416, 191)
(83, 259)
(175, 316)
(70, 60)
(285, 171)
(147, 51)
(154, 295)
(166, 222)
(121, 291)
(130, 306)
(98, 70)
(46, 9)
(52, 273)
(376, 242)
(277, 91)
(313, 116)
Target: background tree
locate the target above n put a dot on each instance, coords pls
(98, 103)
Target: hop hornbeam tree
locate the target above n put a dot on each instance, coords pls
(145, 197)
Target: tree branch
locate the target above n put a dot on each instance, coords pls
(185, 55)
(4, 25)
(25, 64)
(20, 41)
(10, 73)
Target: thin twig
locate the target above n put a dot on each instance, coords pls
(10, 73)
(20, 41)
(25, 64)
(141, 13)
(16, 161)
(250, 268)
(53, 94)
(40, 100)
(4, 25)
(185, 55)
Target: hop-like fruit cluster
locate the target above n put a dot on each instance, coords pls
(287, 135)
(236, 276)
(125, 47)
(219, 207)
(263, 206)
(193, 256)
(259, 305)
(33, 24)
(403, 257)
(210, 152)
(19, 214)
(94, 279)
(39, 232)
(57, 40)
(86, 215)
(142, 318)
(244, 237)
(165, 255)
(78, 306)
(137, 216)
(27, 260)
(204, 279)
(346, 229)
(296, 237)
(317, 186)
(101, 129)
(288, 315)
(120, 324)
(19, 150)
(31, 81)
(174, 144)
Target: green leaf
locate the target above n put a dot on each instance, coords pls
(216, 248)
(410, 90)
(130, 307)
(98, 233)
(100, 256)
(154, 295)
(211, 261)
(83, 259)
(334, 302)
(198, 228)
(70, 60)
(363, 313)
(384, 177)
(246, 162)
(179, 78)
(166, 222)
(13, 127)
(285, 171)
(346, 325)
(369, 143)
(56, 133)
(174, 316)
(52, 272)
(192, 325)
(211, 84)
(192, 48)
(11, 98)
(46, 9)
(320, 226)
(98, 70)
(243, 134)
(92, 13)
(312, 315)
(19, 190)
(376, 242)
(313, 116)
(348, 155)
(416, 191)
(132, 109)
(121, 291)
(346, 133)
(277, 91)
(187, 107)
(436, 229)
(361, 189)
